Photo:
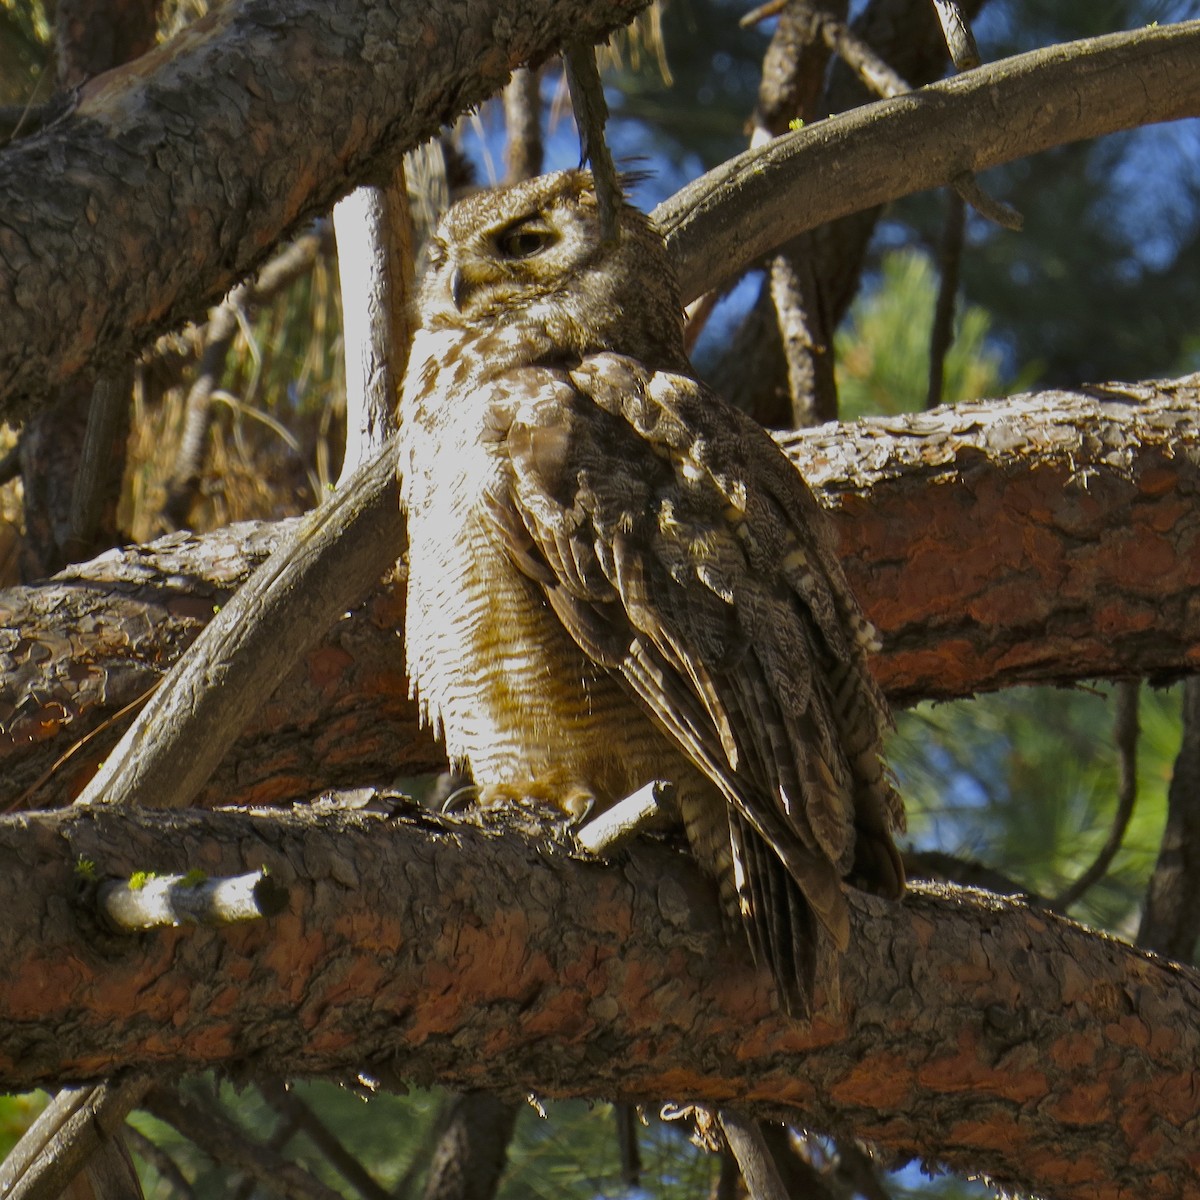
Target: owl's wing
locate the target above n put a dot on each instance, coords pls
(680, 549)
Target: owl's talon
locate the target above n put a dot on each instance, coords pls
(460, 799)
(584, 808)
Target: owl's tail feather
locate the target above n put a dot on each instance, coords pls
(784, 931)
(794, 915)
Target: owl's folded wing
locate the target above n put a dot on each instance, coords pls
(678, 548)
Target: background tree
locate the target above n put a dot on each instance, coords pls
(244, 418)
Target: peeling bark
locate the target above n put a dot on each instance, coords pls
(974, 1030)
(1046, 538)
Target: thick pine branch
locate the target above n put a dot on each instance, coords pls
(998, 543)
(316, 96)
(1047, 538)
(977, 1031)
(203, 153)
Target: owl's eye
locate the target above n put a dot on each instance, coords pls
(525, 238)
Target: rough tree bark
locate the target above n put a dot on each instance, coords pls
(204, 152)
(1040, 539)
(364, 79)
(976, 1031)
(73, 448)
(989, 1036)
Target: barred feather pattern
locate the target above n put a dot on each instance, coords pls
(615, 577)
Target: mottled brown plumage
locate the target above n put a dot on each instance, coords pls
(615, 577)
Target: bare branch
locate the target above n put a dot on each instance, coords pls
(376, 256)
(928, 138)
(1125, 737)
(523, 121)
(182, 733)
(1047, 538)
(318, 99)
(76, 1125)
(941, 337)
(793, 74)
(996, 211)
(975, 1031)
(860, 57)
(1171, 919)
(905, 35)
(729, 218)
(754, 1158)
(101, 461)
(960, 41)
(161, 1161)
(591, 115)
(167, 900)
(473, 1137)
(301, 1117)
(225, 1143)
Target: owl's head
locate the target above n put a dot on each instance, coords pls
(530, 257)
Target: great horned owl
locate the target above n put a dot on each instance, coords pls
(615, 577)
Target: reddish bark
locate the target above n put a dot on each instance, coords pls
(973, 1031)
(1043, 539)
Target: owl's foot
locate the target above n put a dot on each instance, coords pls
(459, 800)
(609, 828)
(627, 818)
(540, 796)
(532, 808)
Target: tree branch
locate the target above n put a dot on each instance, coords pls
(906, 35)
(1171, 916)
(285, 105)
(727, 219)
(145, 142)
(299, 1115)
(975, 1031)
(75, 1127)
(1047, 538)
(331, 557)
(993, 543)
(226, 1143)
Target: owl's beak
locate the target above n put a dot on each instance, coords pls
(467, 276)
